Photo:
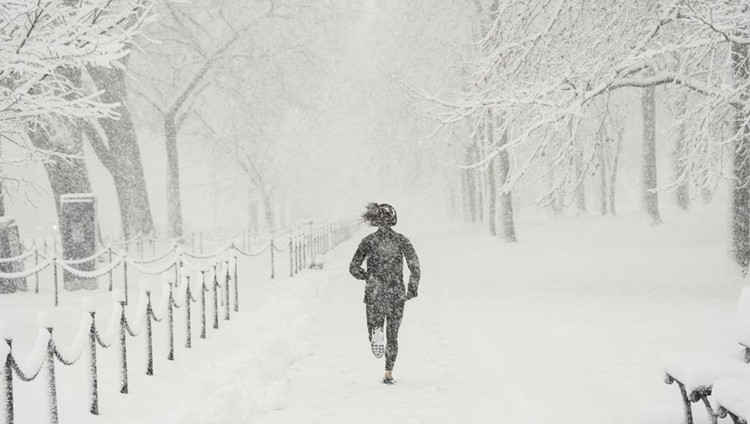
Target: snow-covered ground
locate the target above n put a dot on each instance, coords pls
(567, 326)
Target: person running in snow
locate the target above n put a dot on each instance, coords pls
(385, 295)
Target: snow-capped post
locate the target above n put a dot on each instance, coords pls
(45, 322)
(111, 271)
(314, 247)
(125, 277)
(120, 298)
(216, 296)
(177, 266)
(8, 374)
(188, 331)
(203, 304)
(330, 237)
(304, 251)
(236, 286)
(170, 323)
(226, 290)
(291, 256)
(293, 253)
(272, 247)
(200, 242)
(36, 274)
(140, 244)
(54, 273)
(297, 254)
(152, 242)
(88, 306)
(146, 288)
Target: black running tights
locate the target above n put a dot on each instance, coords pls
(391, 314)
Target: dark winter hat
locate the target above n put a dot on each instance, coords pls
(380, 215)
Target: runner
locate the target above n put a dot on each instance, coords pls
(385, 295)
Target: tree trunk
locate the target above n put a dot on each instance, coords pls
(68, 175)
(452, 199)
(471, 188)
(174, 207)
(506, 197)
(492, 198)
(603, 167)
(479, 196)
(121, 156)
(650, 197)
(580, 188)
(682, 193)
(269, 213)
(491, 181)
(613, 176)
(740, 212)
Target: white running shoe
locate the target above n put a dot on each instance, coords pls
(377, 343)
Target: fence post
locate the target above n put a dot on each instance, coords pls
(330, 237)
(149, 334)
(109, 255)
(177, 265)
(272, 259)
(236, 287)
(51, 381)
(291, 256)
(297, 254)
(54, 273)
(123, 350)
(200, 241)
(125, 277)
(8, 372)
(170, 322)
(36, 274)
(140, 244)
(94, 408)
(216, 297)
(304, 251)
(203, 304)
(188, 331)
(226, 291)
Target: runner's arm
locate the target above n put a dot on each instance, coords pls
(412, 261)
(355, 267)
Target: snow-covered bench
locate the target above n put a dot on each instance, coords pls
(696, 373)
(732, 397)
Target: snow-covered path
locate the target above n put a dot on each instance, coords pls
(522, 333)
(534, 332)
(443, 369)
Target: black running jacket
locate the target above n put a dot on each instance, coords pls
(385, 251)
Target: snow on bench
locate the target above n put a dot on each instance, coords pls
(732, 397)
(696, 373)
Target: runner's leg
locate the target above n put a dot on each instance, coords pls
(395, 312)
(375, 317)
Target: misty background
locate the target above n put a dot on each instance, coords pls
(261, 115)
